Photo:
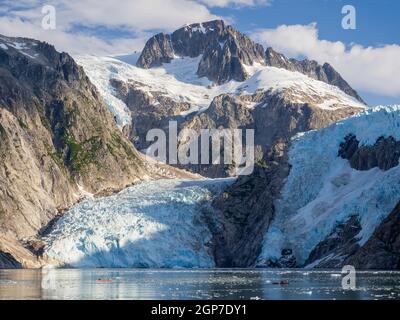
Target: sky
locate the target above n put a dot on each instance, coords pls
(368, 57)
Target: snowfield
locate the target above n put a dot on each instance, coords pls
(322, 190)
(179, 81)
(155, 224)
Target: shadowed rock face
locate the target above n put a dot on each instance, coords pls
(245, 210)
(311, 68)
(382, 250)
(224, 50)
(384, 154)
(7, 261)
(55, 133)
(158, 50)
(341, 243)
(193, 40)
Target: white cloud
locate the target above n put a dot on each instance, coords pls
(138, 14)
(136, 17)
(235, 3)
(73, 43)
(372, 69)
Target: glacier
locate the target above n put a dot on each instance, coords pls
(154, 224)
(322, 190)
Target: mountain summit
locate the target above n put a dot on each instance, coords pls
(224, 50)
(225, 53)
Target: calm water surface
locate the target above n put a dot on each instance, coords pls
(193, 284)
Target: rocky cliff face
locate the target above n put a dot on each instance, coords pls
(272, 115)
(148, 110)
(158, 50)
(57, 138)
(382, 251)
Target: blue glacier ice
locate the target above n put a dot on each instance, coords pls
(157, 224)
(322, 190)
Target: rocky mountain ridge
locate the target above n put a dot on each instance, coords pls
(311, 68)
(225, 52)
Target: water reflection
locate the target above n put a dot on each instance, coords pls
(193, 284)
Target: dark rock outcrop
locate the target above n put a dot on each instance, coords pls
(158, 50)
(193, 40)
(382, 250)
(286, 260)
(221, 64)
(335, 248)
(244, 212)
(384, 154)
(311, 68)
(7, 261)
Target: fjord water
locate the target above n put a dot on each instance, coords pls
(164, 284)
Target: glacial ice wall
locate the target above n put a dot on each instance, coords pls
(322, 190)
(155, 224)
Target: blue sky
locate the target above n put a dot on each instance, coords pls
(368, 57)
(378, 21)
